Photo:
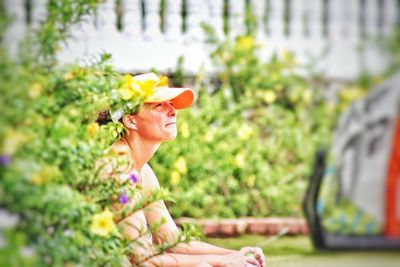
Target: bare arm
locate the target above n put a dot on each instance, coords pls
(168, 232)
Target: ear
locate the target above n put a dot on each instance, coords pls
(129, 122)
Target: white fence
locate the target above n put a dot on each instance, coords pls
(145, 35)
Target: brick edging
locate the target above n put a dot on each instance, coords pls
(260, 226)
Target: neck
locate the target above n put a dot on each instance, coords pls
(142, 150)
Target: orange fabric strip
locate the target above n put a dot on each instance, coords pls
(392, 226)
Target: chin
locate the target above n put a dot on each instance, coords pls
(173, 137)
(170, 137)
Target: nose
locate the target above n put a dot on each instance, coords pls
(171, 110)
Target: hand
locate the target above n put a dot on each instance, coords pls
(257, 252)
(235, 259)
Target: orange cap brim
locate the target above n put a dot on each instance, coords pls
(181, 97)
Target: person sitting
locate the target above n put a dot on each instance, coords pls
(154, 123)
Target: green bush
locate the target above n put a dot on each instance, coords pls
(247, 147)
(49, 154)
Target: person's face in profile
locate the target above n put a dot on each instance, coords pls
(157, 121)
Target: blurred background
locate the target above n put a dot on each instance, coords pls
(277, 81)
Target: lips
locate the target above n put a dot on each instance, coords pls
(170, 123)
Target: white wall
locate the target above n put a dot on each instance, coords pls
(345, 31)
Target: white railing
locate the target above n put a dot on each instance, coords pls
(344, 31)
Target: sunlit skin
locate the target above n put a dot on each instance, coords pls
(157, 122)
(152, 125)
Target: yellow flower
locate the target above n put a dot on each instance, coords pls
(269, 97)
(288, 58)
(102, 223)
(250, 180)
(240, 159)
(209, 136)
(351, 93)
(245, 42)
(175, 177)
(126, 80)
(244, 132)
(180, 165)
(69, 76)
(163, 81)
(307, 97)
(294, 96)
(13, 140)
(44, 175)
(35, 90)
(37, 179)
(93, 129)
(185, 129)
(133, 88)
(147, 88)
(330, 108)
(130, 88)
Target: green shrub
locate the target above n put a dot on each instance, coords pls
(50, 144)
(247, 147)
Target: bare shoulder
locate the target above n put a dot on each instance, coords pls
(150, 181)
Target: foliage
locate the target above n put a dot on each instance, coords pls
(393, 45)
(246, 148)
(55, 29)
(50, 154)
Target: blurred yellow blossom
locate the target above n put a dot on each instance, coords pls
(163, 81)
(129, 88)
(180, 165)
(185, 129)
(240, 159)
(250, 180)
(44, 175)
(102, 223)
(69, 76)
(35, 90)
(245, 42)
(37, 179)
(330, 108)
(209, 136)
(294, 96)
(133, 88)
(147, 88)
(269, 97)
(288, 58)
(351, 93)
(307, 96)
(175, 177)
(93, 129)
(12, 141)
(244, 132)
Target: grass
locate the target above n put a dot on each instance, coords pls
(298, 251)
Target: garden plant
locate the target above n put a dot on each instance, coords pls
(52, 152)
(245, 148)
